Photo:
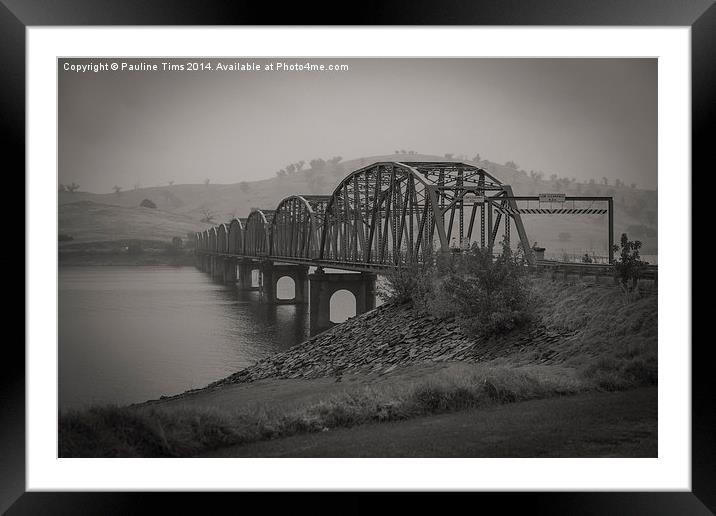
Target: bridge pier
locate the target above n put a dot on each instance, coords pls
(323, 286)
(229, 271)
(272, 272)
(217, 268)
(245, 267)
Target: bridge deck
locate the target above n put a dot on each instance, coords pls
(582, 269)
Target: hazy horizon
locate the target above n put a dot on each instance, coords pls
(581, 118)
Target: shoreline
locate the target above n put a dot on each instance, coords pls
(79, 259)
(391, 364)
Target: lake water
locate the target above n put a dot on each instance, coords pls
(128, 334)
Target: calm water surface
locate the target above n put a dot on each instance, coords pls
(127, 334)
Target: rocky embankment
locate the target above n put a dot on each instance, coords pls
(392, 336)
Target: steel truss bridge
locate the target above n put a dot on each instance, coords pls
(392, 214)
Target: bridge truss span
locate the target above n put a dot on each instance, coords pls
(296, 226)
(256, 238)
(397, 213)
(235, 237)
(392, 214)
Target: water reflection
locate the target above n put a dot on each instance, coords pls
(127, 334)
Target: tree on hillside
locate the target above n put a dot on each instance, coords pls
(244, 186)
(291, 169)
(117, 189)
(536, 176)
(281, 173)
(206, 182)
(72, 187)
(476, 158)
(512, 165)
(605, 181)
(448, 155)
(630, 266)
(318, 164)
(299, 165)
(208, 216)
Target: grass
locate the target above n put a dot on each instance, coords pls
(113, 431)
(614, 348)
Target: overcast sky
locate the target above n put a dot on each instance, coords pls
(582, 118)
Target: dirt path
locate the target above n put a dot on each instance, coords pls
(620, 424)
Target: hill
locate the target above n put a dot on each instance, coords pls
(635, 209)
(89, 221)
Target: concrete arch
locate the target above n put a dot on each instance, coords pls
(222, 238)
(284, 283)
(322, 288)
(256, 238)
(296, 226)
(335, 299)
(236, 237)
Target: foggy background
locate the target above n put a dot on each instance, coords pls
(579, 118)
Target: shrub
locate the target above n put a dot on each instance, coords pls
(146, 203)
(629, 267)
(491, 294)
(404, 285)
(488, 295)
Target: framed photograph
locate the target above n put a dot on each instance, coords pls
(416, 251)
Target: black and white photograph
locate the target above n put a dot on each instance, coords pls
(357, 257)
(403, 248)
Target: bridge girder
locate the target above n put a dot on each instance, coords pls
(236, 237)
(396, 213)
(212, 240)
(296, 226)
(222, 234)
(256, 235)
(388, 214)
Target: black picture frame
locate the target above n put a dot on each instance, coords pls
(17, 15)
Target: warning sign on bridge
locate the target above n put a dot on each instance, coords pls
(552, 197)
(473, 198)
